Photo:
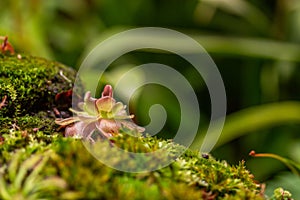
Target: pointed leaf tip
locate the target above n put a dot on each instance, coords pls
(107, 91)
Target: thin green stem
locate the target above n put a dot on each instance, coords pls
(293, 166)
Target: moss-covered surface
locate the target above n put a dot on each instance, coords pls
(37, 162)
(31, 83)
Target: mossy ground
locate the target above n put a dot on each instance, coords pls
(37, 162)
(31, 84)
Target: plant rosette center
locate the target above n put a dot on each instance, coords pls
(104, 114)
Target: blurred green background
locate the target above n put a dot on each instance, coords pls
(255, 44)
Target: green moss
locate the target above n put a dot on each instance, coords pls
(29, 133)
(30, 84)
(37, 162)
(190, 177)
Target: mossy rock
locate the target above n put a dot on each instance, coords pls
(31, 83)
(29, 86)
(37, 162)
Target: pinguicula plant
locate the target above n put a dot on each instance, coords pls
(104, 115)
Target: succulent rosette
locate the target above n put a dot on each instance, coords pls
(103, 114)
